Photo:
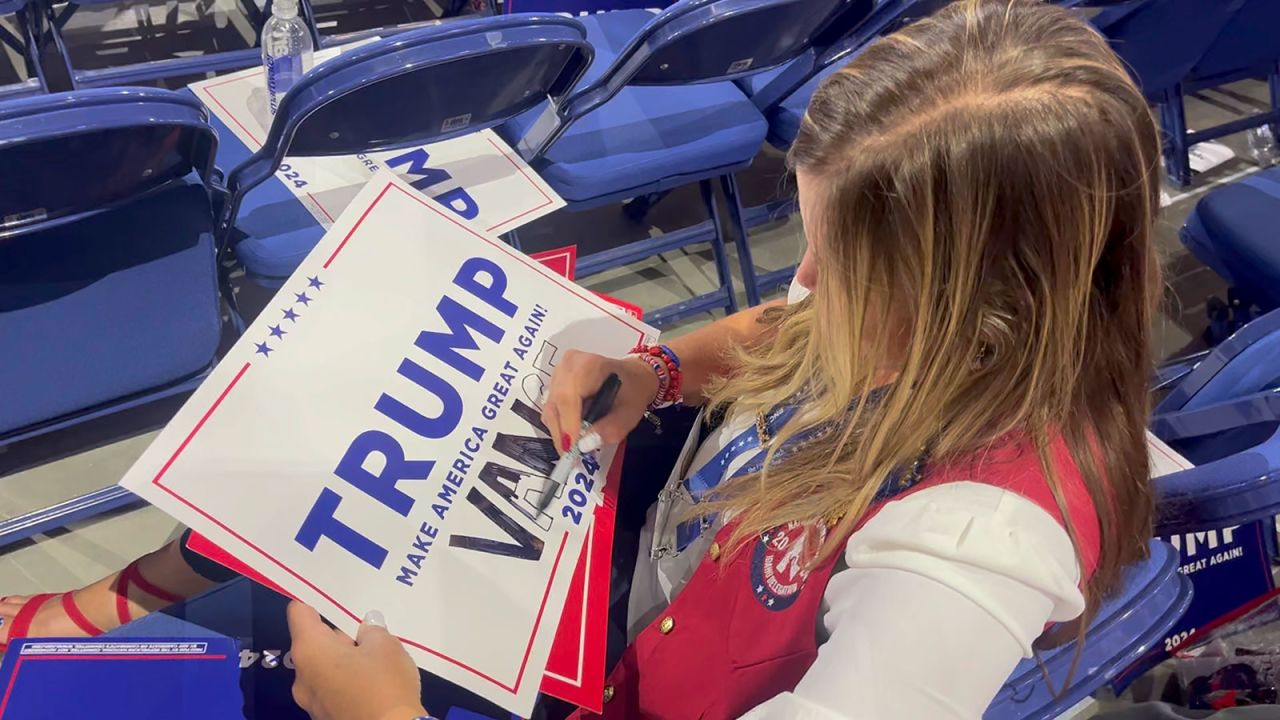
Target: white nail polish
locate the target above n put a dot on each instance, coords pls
(590, 442)
(375, 618)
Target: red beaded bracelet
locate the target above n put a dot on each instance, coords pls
(666, 364)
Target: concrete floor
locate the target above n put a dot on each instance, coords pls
(59, 466)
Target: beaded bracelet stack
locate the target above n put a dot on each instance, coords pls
(666, 365)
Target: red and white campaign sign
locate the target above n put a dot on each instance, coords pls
(575, 668)
(564, 261)
(477, 176)
(373, 441)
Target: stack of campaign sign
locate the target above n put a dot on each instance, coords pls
(107, 678)
(374, 441)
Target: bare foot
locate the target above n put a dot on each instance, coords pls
(164, 568)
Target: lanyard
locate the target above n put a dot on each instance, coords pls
(706, 478)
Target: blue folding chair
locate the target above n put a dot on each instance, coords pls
(109, 297)
(452, 9)
(1223, 413)
(1225, 416)
(418, 87)
(1162, 41)
(783, 96)
(145, 72)
(1245, 48)
(1153, 596)
(1232, 230)
(25, 43)
(656, 112)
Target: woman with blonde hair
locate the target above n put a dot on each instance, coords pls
(929, 458)
(940, 450)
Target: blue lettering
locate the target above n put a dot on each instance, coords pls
(459, 201)
(492, 293)
(446, 494)
(407, 575)
(320, 523)
(428, 427)
(417, 162)
(445, 346)
(382, 486)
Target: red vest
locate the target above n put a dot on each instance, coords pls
(744, 627)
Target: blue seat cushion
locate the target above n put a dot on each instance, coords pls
(645, 138)
(1233, 231)
(108, 306)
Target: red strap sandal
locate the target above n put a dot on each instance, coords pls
(129, 576)
(132, 576)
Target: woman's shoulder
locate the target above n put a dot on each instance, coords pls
(1013, 465)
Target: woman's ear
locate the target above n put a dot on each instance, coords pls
(808, 188)
(807, 272)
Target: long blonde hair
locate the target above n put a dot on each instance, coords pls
(990, 186)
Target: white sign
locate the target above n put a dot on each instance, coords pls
(1164, 459)
(478, 176)
(373, 440)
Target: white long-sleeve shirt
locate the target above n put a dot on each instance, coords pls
(939, 596)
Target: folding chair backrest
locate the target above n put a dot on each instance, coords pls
(421, 86)
(835, 48)
(1231, 401)
(1224, 416)
(1152, 598)
(1246, 363)
(846, 19)
(68, 155)
(1162, 40)
(697, 41)
(1247, 41)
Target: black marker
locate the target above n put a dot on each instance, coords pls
(597, 407)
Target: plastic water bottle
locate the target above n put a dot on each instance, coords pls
(1262, 146)
(286, 50)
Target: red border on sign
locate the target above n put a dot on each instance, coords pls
(547, 199)
(157, 480)
(566, 256)
(13, 679)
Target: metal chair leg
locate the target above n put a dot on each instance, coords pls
(309, 17)
(14, 42)
(1180, 152)
(29, 24)
(83, 507)
(55, 25)
(730, 185)
(718, 250)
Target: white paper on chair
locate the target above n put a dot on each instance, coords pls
(1164, 459)
(478, 176)
(373, 442)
